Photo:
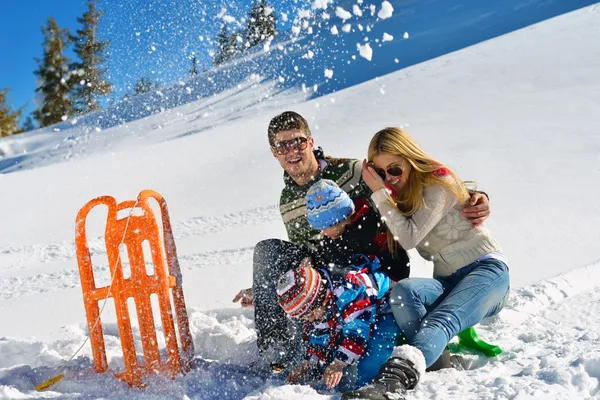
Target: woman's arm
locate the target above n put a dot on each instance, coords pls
(410, 231)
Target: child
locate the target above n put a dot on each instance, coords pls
(349, 229)
(348, 317)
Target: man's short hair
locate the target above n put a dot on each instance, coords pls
(287, 121)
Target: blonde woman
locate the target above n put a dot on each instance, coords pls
(421, 201)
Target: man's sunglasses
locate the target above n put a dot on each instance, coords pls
(284, 147)
(394, 170)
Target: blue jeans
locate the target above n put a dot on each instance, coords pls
(430, 312)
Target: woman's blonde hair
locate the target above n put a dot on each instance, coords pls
(396, 142)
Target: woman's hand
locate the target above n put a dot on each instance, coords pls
(477, 209)
(296, 375)
(370, 177)
(333, 374)
(245, 297)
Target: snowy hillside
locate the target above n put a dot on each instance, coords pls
(516, 113)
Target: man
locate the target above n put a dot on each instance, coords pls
(292, 144)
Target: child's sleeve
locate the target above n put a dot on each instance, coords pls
(317, 343)
(357, 311)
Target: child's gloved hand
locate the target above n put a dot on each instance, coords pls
(333, 374)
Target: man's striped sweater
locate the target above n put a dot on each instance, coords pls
(347, 173)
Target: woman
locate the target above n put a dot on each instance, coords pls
(422, 206)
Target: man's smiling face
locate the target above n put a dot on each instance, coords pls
(294, 151)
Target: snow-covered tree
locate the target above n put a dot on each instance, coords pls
(226, 46)
(261, 23)
(194, 69)
(144, 85)
(9, 118)
(54, 79)
(90, 73)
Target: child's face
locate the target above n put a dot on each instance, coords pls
(316, 314)
(336, 231)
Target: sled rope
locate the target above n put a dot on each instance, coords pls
(48, 383)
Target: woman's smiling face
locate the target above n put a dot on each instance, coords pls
(385, 162)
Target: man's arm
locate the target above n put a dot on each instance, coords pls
(477, 209)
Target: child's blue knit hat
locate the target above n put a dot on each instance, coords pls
(327, 204)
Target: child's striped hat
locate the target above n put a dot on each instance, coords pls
(297, 290)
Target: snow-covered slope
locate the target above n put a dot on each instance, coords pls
(516, 114)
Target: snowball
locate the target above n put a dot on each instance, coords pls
(304, 13)
(343, 14)
(387, 37)
(386, 10)
(328, 73)
(356, 10)
(323, 4)
(405, 35)
(365, 51)
(346, 28)
(334, 30)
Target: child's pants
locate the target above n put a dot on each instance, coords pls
(379, 349)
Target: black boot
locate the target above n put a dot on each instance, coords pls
(448, 360)
(395, 377)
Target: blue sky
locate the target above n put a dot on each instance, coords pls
(154, 39)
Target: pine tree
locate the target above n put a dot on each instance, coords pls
(9, 119)
(194, 69)
(28, 124)
(144, 85)
(226, 46)
(92, 54)
(261, 25)
(55, 81)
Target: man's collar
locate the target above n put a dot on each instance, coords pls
(301, 190)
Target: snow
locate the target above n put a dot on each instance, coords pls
(334, 30)
(328, 73)
(343, 14)
(365, 51)
(508, 113)
(356, 10)
(321, 4)
(304, 14)
(346, 28)
(386, 10)
(405, 36)
(387, 37)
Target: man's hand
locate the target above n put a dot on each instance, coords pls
(296, 375)
(333, 374)
(245, 297)
(477, 209)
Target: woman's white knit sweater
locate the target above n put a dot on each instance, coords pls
(438, 231)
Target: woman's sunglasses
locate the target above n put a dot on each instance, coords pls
(284, 147)
(394, 170)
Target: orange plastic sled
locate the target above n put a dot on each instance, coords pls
(165, 282)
